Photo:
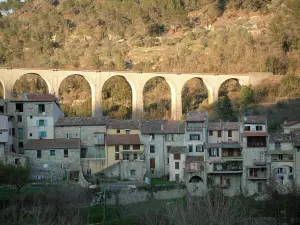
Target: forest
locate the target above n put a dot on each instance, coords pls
(224, 36)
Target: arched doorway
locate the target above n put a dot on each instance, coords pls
(1, 90)
(195, 179)
(75, 96)
(194, 93)
(157, 99)
(30, 83)
(117, 98)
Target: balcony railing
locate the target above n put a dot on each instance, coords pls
(194, 168)
(256, 176)
(259, 162)
(228, 168)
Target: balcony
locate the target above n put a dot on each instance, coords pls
(99, 139)
(257, 177)
(232, 154)
(257, 173)
(259, 162)
(227, 168)
(194, 167)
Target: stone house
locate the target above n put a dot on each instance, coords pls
(223, 156)
(158, 137)
(124, 150)
(91, 131)
(296, 145)
(280, 158)
(54, 159)
(254, 140)
(289, 126)
(34, 117)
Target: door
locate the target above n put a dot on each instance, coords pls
(177, 177)
(152, 163)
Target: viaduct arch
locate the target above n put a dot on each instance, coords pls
(136, 80)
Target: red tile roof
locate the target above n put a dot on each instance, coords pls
(254, 119)
(39, 97)
(123, 139)
(223, 126)
(58, 143)
(290, 123)
(196, 116)
(255, 134)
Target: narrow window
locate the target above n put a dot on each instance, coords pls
(132, 172)
(219, 133)
(17, 161)
(21, 145)
(117, 148)
(126, 156)
(39, 154)
(190, 148)
(246, 128)
(280, 156)
(135, 156)
(117, 157)
(126, 147)
(66, 153)
(41, 108)
(19, 118)
(177, 156)
(20, 132)
(118, 131)
(152, 149)
(30, 134)
(52, 152)
(176, 165)
(152, 136)
(19, 107)
(230, 133)
(152, 163)
(211, 133)
(127, 131)
(136, 147)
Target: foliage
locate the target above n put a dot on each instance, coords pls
(246, 96)
(224, 110)
(14, 175)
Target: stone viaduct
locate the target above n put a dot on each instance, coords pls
(137, 81)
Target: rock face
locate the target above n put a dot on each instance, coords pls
(128, 196)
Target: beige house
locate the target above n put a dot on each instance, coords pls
(177, 157)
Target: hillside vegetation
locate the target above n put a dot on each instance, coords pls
(224, 36)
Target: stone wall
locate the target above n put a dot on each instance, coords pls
(57, 164)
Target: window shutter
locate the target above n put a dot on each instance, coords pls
(45, 134)
(217, 152)
(45, 122)
(37, 123)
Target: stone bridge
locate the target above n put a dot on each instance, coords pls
(136, 80)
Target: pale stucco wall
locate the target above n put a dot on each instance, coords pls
(174, 171)
(224, 138)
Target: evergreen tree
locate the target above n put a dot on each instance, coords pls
(224, 110)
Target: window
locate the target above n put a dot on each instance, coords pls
(152, 163)
(52, 152)
(20, 132)
(256, 142)
(30, 134)
(229, 133)
(118, 131)
(219, 133)
(291, 169)
(135, 156)
(127, 131)
(19, 118)
(190, 148)
(280, 156)
(100, 136)
(39, 154)
(43, 134)
(277, 145)
(21, 145)
(17, 161)
(176, 156)
(41, 108)
(194, 137)
(246, 128)
(83, 153)
(117, 157)
(169, 137)
(212, 152)
(177, 177)
(152, 136)
(1, 109)
(168, 148)
(68, 135)
(19, 107)
(13, 131)
(41, 123)
(152, 149)
(136, 147)
(211, 133)
(126, 147)
(176, 165)
(117, 148)
(168, 160)
(199, 148)
(259, 128)
(132, 172)
(66, 153)
(125, 156)
(30, 117)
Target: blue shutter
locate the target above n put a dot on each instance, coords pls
(45, 123)
(37, 123)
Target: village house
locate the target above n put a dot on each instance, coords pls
(289, 126)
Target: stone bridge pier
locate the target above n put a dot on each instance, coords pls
(137, 81)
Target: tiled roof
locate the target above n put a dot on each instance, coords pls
(177, 149)
(254, 119)
(196, 116)
(123, 139)
(278, 137)
(161, 127)
(81, 121)
(40, 97)
(255, 134)
(152, 127)
(190, 159)
(224, 145)
(123, 124)
(223, 126)
(290, 123)
(58, 143)
(173, 127)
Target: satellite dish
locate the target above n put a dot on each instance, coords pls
(44, 114)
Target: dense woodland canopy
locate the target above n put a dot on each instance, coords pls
(153, 35)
